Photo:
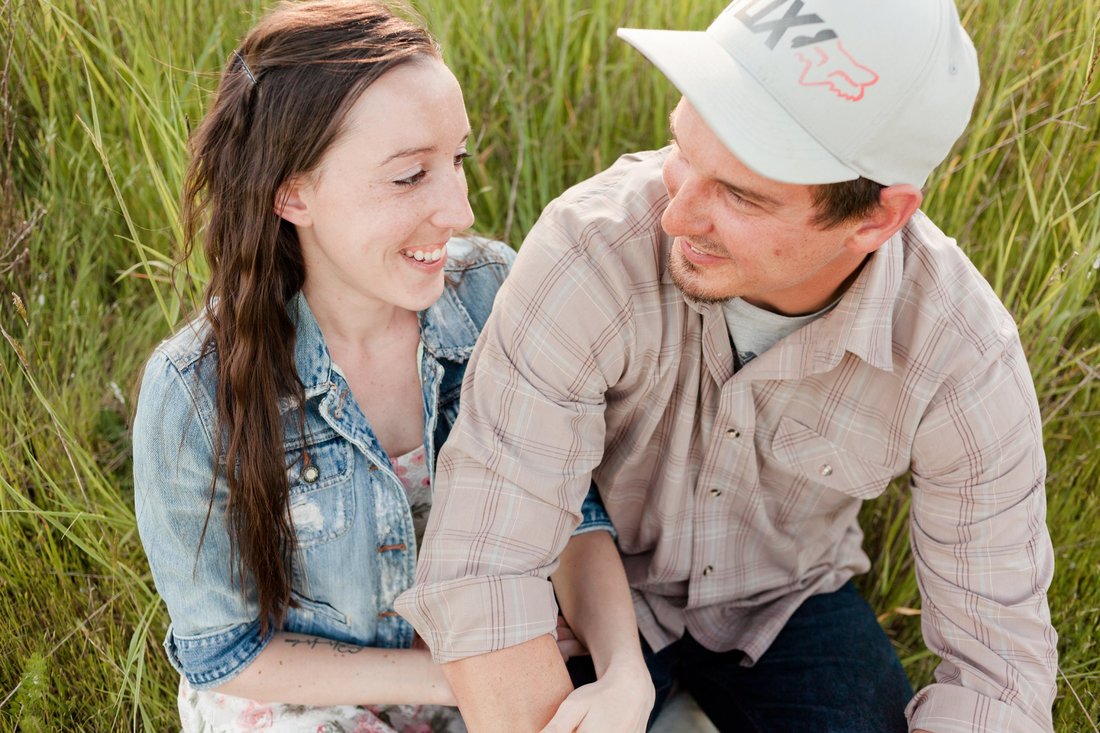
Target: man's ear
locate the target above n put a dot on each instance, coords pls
(896, 204)
(291, 203)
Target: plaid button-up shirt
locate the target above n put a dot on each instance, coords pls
(736, 495)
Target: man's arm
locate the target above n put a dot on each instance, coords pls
(513, 474)
(983, 554)
(514, 689)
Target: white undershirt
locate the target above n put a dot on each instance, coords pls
(755, 330)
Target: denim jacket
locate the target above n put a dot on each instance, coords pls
(356, 549)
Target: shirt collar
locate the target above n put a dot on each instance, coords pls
(862, 323)
(446, 330)
(311, 355)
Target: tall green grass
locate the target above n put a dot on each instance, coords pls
(97, 98)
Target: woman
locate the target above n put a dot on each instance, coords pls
(284, 441)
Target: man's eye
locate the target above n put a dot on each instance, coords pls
(738, 198)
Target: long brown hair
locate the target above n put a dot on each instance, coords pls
(280, 104)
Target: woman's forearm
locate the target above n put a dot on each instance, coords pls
(308, 670)
(595, 600)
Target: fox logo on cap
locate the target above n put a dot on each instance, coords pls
(825, 64)
(831, 65)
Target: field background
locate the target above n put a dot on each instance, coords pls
(95, 102)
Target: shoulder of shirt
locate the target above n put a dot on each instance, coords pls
(949, 289)
(611, 221)
(631, 186)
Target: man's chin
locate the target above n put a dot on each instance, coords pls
(686, 276)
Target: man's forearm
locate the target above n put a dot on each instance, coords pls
(513, 690)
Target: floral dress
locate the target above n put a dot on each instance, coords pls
(206, 711)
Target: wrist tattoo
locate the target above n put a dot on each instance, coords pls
(313, 642)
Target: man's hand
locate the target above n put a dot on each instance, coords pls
(619, 702)
(568, 643)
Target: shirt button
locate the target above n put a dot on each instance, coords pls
(715, 493)
(733, 433)
(708, 570)
(826, 469)
(310, 474)
(372, 467)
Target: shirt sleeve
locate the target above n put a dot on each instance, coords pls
(215, 631)
(983, 555)
(514, 473)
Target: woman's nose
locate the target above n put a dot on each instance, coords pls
(454, 210)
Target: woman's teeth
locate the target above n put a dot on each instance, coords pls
(422, 256)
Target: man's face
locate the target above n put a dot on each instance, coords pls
(739, 234)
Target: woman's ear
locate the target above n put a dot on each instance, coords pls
(896, 204)
(291, 203)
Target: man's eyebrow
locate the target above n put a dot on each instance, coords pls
(408, 152)
(761, 199)
(755, 197)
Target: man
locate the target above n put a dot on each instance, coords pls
(739, 339)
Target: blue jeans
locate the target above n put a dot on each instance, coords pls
(831, 670)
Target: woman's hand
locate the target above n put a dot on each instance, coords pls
(619, 702)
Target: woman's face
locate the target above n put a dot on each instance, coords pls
(375, 216)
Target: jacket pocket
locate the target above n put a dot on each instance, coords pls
(318, 619)
(322, 499)
(820, 460)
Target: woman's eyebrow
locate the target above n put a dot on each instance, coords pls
(407, 152)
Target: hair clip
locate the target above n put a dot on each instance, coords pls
(247, 71)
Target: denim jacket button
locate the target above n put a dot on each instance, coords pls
(310, 474)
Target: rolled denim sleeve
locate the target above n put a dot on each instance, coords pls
(214, 632)
(594, 516)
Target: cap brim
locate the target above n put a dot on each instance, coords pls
(745, 117)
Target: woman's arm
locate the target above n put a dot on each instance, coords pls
(595, 600)
(308, 670)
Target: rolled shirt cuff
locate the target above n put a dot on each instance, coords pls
(471, 616)
(943, 708)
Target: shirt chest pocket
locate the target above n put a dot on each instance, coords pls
(814, 457)
(322, 499)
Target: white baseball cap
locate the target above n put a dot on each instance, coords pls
(821, 91)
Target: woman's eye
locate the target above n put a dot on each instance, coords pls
(461, 157)
(412, 180)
